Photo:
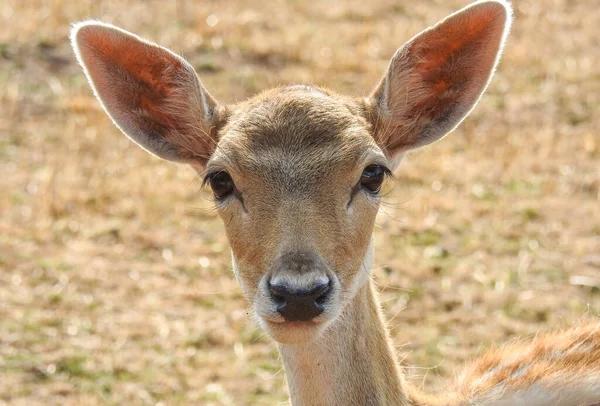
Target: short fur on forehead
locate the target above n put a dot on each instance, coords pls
(293, 131)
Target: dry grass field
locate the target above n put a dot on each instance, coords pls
(115, 282)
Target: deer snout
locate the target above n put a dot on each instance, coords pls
(300, 305)
(299, 286)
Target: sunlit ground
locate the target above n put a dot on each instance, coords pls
(115, 283)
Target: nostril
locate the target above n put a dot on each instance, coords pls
(322, 293)
(278, 294)
(278, 290)
(321, 288)
(278, 299)
(322, 298)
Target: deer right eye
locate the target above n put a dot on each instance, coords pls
(221, 184)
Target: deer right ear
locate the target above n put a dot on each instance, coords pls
(437, 77)
(153, 95)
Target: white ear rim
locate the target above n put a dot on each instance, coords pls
(507, 27)
(506, 30)
(383, 103)
(160, 150)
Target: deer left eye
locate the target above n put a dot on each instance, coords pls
(372, 178)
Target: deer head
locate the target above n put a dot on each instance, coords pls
(296, 171)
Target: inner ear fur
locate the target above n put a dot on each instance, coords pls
(436, 78)
(153, 95)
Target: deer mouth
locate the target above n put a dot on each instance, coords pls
(293, 332)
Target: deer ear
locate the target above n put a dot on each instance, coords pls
(437, 77)
(152, 95)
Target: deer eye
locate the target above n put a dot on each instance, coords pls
(372, 178)
(221, 184)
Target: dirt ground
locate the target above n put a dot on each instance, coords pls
(115, 281)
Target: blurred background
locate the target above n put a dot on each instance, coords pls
(115, 281)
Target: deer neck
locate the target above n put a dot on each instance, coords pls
(352, 363)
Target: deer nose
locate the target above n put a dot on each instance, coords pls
(300, 305)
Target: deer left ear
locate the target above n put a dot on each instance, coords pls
(437, 77)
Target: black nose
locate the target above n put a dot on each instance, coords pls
(300, 305)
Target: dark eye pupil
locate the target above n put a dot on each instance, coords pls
(221, 184)
(372, 178)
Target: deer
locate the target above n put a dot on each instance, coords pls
(296, 173)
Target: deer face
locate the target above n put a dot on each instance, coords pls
(297, 176)
(296, 171)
